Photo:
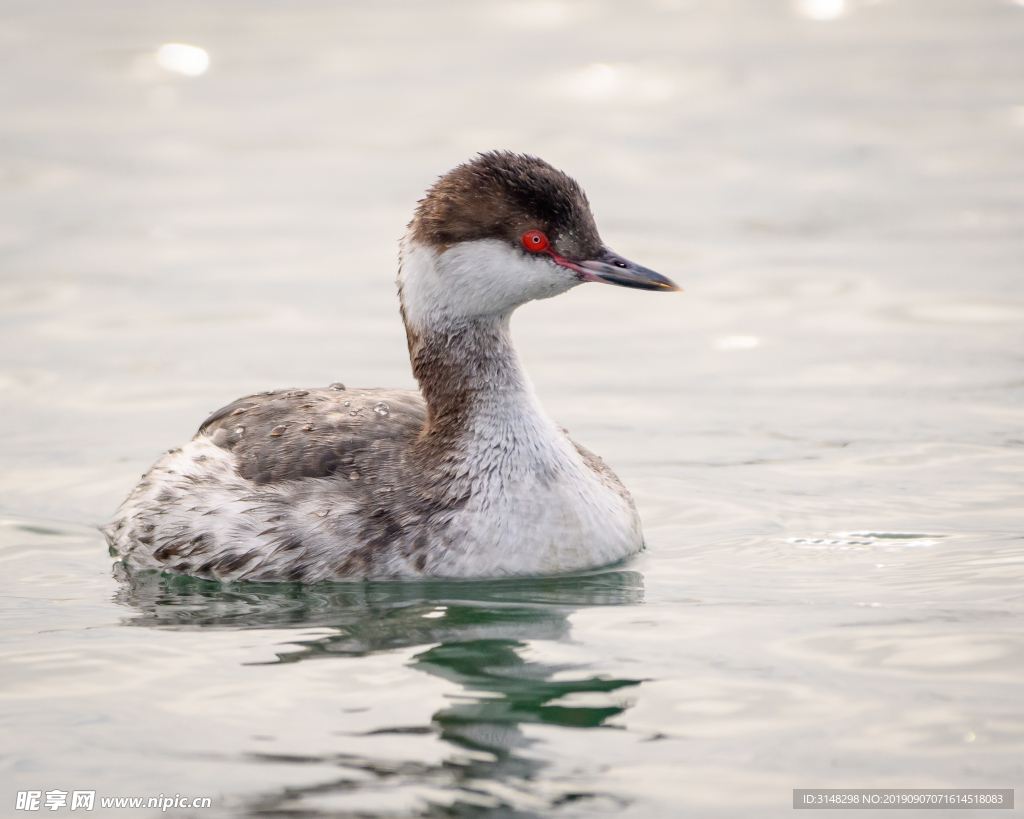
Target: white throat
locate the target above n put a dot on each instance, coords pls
(457, 305)
(534, 495)
(472, 280)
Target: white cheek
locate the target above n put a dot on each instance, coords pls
(480, 278)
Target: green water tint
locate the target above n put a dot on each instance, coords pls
(479, 632)
(187, 602)
(526, 689)
(822, 434)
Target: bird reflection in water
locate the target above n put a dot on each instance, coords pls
(477, 632)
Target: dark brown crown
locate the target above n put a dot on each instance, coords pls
(501, 195)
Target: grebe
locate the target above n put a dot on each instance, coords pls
(468, 478)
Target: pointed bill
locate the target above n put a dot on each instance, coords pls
(611, 268)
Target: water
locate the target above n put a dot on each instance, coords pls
(823, 433)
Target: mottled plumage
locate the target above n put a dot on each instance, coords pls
(469, 479)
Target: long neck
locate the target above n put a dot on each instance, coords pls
(480, 401)
(468, 369)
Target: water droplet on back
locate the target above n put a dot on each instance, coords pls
(307, 427)
(337, 385)
(279, 430)
(238, 430)
(382, 409)
(299, 393)
(353, 476)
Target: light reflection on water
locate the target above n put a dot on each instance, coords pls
(601, 82)
(822, 433)
(821, 9)
(470, 634)
(179, 58)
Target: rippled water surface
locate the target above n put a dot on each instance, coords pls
(824, 434)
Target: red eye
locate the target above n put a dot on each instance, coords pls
(535, 240)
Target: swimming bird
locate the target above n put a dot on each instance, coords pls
(467, 478)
